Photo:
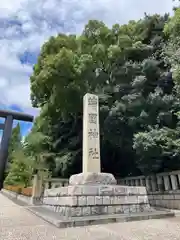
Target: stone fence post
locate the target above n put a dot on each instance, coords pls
(166, 181)
(37, 188)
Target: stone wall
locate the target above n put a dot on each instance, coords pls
(163, 189)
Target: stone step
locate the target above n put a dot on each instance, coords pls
(63, 222)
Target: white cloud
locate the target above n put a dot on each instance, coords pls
(9, 7)
(36, 21)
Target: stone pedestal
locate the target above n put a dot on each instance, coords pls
(91, 178)
(96, 194)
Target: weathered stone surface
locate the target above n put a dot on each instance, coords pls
(95, 190)
(90, 200)
(82, 200)
(83, 190)
(119, 209)
(131, 199)
(90, 190)
(106, 200)
(91, 178)
(126, 209)
(108, 190)
(61, 191)
(61, 201)
(76, 212)
(63, 211)
(98, 210)
(128, 190)
(75, 190)
(98, 200)
(104, 210)
(112, 190)
(117, 200)
(133, 208)
(111, 209)
(69, 201)
(86, 211)
(142, 199)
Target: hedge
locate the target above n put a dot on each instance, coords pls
(20, 190)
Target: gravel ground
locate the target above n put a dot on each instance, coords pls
(17, 223)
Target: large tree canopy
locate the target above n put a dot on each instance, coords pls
(134, 69)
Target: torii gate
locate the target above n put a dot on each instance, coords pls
(7, 130)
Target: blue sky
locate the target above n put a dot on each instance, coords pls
(26, 24)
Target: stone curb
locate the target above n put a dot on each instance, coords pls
(101, 219)
(14, 198)
(20, 199)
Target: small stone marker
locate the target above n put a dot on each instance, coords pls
(91, 138)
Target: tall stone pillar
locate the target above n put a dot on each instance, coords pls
(91, 146)
(91, 138)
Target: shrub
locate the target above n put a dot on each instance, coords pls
(19, 189)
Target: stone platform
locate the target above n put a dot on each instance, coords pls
(90, 200)
(91, 197)
(65, 222)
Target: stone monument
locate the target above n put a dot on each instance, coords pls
(92, 192)
(91, 146)
(91, 141)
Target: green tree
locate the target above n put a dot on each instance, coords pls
(129, 68)
(14, 144)
(20, 172)
(158, 150)
(15, 141)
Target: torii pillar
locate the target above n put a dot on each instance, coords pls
(7, 130)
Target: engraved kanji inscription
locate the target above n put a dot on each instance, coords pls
(92, 101)
(93, 153)
(93, 118)
(93, 133)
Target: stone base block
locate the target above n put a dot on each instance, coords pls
(91, 178)
(86, 200)
(77, 211)
(64, 222)
(95, 190)
(95, 200)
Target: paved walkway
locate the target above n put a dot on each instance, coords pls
(17, 223)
